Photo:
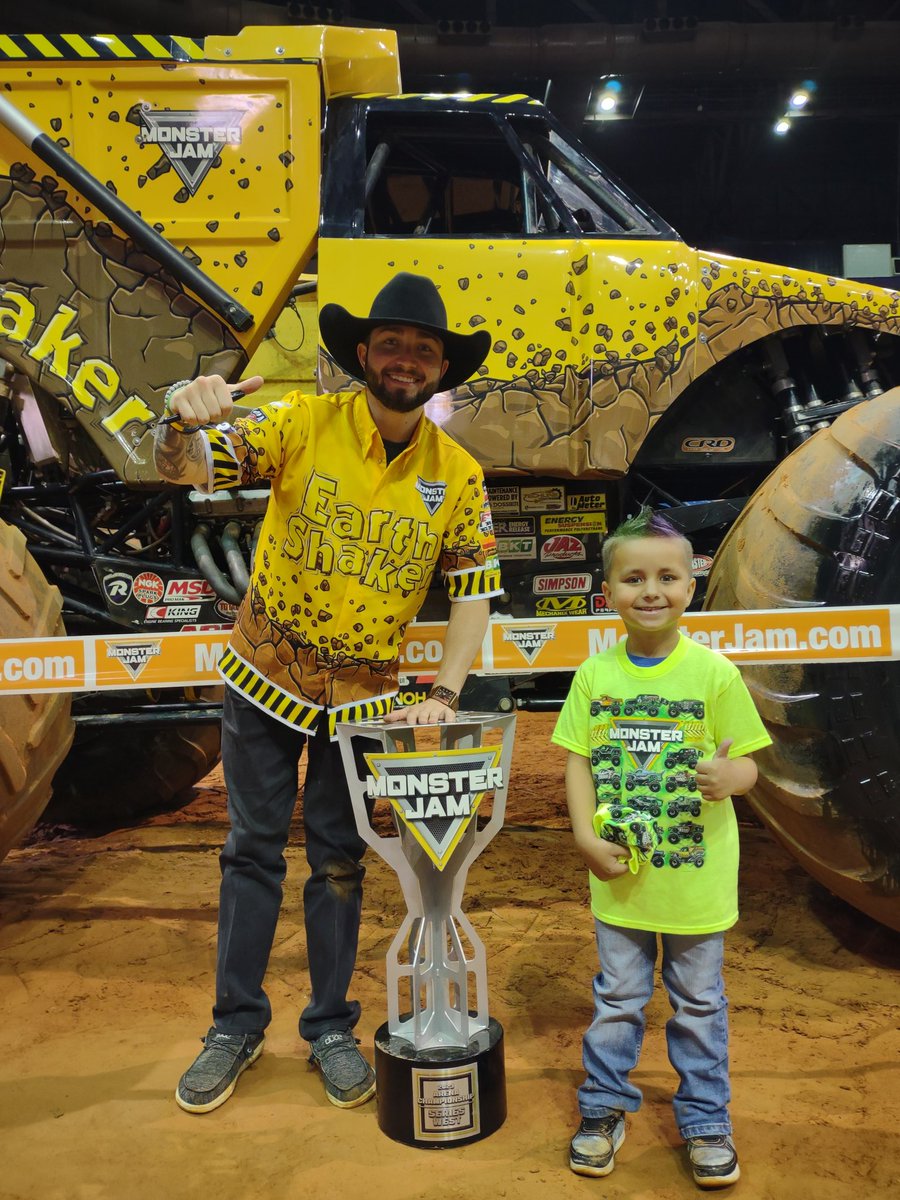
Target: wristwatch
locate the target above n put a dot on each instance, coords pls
(445, 695)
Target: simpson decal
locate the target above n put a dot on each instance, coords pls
(553, 585)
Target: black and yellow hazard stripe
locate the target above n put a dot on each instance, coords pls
(474, 582)
(282, 705)
(363, 710)
(100, 46)
(226, 470)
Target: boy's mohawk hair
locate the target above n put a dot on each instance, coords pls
(646, 523)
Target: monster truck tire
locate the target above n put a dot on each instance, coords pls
(116, 775)
(824, 529)
(35, 729)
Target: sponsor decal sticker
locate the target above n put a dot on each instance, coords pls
(189, 589)
(503, 499)
(227, 610)
(174, 612)
(117, 587)
(432, 494)
(700, 564)
(543, 499)
(529, 640)
(191, 140)
(133, 656)
(551, 585)
(517, 547)
(599, 604)
(575, 523)
(148, 588)
(563, 549)
(514, 528)
(707, 445)
(587, 502)
(570, 606)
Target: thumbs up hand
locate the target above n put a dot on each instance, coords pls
(716, 775)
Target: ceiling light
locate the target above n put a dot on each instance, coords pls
(800, 98)
(607, 102)
(782, 126)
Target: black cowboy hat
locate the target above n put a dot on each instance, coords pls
(406, 300)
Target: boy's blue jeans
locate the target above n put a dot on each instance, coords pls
(696, 1033)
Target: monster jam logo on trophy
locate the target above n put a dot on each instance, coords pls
(436, 796)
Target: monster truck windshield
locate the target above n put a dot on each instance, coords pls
(468, 173)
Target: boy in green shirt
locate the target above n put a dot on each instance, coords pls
(660, 729)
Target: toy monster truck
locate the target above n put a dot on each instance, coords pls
(607, 778)
(676, 807)
(685, 755)
(650, 705)
(643, 779)
(647, 804)
(685, 831)
(695, 858)
(691, 708)
(681, 779)
(606, 753)
(626, 367)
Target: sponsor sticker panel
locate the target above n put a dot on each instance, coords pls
(575, 523)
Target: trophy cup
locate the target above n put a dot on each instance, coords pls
(439, 1056)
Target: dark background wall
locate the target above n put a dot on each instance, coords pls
(712, 78)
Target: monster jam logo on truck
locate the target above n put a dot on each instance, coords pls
(530, 642)
(191, 141)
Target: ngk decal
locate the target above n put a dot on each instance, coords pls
(552, 585)
(563, 548)
(196, 590)
(148, 588)
(191, 140)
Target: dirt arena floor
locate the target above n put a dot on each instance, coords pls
(106, 967)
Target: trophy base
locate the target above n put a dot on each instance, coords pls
(441, 1097)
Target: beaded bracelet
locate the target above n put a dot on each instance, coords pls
(176, 387)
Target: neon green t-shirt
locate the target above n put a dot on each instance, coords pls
(644, 730)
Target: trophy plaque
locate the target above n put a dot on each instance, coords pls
(439, 1056)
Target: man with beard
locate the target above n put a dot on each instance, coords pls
(368, 498)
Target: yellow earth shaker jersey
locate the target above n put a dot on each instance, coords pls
(346, 552)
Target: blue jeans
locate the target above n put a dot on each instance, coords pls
(696, 1033)
(260, 756)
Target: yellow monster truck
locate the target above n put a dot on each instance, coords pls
(159, 199)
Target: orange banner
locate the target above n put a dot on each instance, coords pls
(510, 647)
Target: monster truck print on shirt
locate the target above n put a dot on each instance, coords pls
(606, 753)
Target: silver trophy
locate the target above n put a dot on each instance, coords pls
(439, 1057)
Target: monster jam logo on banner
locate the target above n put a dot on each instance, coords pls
(432, 494)
(530, 641)
(133, 656)
(191, 141)
(435, 795)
